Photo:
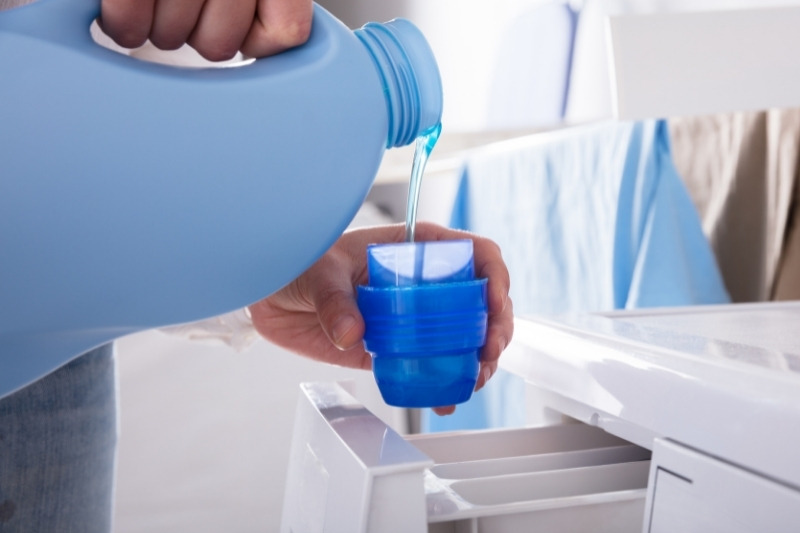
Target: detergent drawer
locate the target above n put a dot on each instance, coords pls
(351, 472)
(556, 478)
(694, 492)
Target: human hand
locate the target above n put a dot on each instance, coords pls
(217, 29)
(317, 316)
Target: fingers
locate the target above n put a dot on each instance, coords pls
(217, 29)
(498, 334)
(126, 21)
(173, 22)
(278, 26)
(487, 370)
(355, 357)
(222, 28)
(489, 264)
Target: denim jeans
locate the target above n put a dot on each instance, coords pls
(57, 449)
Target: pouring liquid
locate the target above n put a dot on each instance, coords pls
(422, 150)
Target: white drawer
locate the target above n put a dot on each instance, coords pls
(569, 477)
(350, 472)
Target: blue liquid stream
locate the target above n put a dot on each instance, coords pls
(424, 146)
(422, 150)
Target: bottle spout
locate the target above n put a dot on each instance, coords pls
(410, 76)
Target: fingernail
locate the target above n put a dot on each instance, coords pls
(502, 344)
(341, 328)
(487, 373)
(481, 381)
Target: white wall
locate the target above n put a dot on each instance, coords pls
(464, 36)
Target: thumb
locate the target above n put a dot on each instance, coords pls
(334, 299)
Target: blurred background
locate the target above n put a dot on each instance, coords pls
(206, 429)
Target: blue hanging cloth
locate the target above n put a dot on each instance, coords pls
(591, 218)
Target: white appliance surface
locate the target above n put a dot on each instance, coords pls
(724, 380)
(712, 391)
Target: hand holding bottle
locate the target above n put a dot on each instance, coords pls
(217, 29)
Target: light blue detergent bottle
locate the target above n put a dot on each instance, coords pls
(135, 195)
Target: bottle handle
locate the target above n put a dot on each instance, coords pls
(65, 22)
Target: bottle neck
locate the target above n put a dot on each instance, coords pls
(410, 77)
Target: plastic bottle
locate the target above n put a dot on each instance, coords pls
(135, 195)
